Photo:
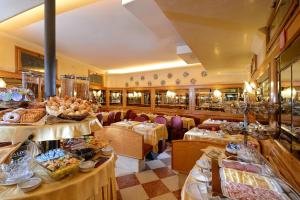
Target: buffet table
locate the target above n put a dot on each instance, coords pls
(19, 133)
(236, 179)
(98, 184)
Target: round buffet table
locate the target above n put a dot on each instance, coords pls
(98, 184)
(44, 132)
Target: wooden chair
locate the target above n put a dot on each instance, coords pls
(110, 119)
(145, 116)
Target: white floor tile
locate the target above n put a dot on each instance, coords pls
(168, 196)
(171, 182)
(146, 176)
(153, 164)
(135, 192)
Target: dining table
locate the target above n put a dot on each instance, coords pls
(152, 133)
(187, 122)
(219, 136)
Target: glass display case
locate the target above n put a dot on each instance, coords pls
(74, 86)
(289, 88)
(262, 92)
(213, 100)
(33, 81)
(98, 96)
(139, 98)
(115, 97)
(178, 98)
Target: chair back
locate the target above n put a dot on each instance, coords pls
(140, 119)
(100, 118)
(176, 122)
(132, 116)
(160, 120)
(118, 117)
(145, 116)
(127, 114)
(111, 118)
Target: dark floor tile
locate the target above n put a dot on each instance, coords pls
(127, 181)
(177, 194)
(155, 188)
(163, 172)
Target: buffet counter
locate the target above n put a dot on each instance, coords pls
(43, 132)
(98, 184)
(218, 175)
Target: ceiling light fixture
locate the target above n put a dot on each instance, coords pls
(157, 66)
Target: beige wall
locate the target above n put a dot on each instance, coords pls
(66, 65)
(213, 77)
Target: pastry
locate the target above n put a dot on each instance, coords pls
(32, 115)
(12, 117)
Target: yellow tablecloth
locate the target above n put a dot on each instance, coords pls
(188, 123)
(127, 124)
(98, 184)
(57, 131)
(152, 133)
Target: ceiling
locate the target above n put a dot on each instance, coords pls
(106, 34)
(220, 32)
(15, 7)
(109, 35)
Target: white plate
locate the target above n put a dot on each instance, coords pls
(197, 191)
(200, 176)
(17, 180)
(30, 185)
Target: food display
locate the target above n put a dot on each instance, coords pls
(68, 107)
(15, 97)
(233, 148)
(232, 128)
(21, 115)
(247, 178)
(58, 163)
(248, 167)
(246, 192)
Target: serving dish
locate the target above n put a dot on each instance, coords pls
(30, 185)
(87, 166)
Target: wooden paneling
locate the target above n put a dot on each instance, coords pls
(282, 161)
(124, 141)
(185, 153)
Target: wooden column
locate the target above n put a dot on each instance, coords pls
(50, 57)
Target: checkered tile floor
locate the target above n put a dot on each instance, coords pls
(157, 182)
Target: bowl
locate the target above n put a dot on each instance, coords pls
(107, 150)
(87, 166)
(30, 184)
